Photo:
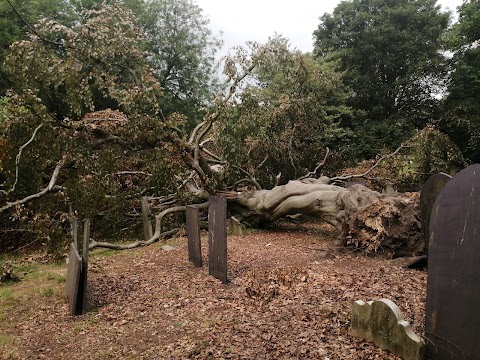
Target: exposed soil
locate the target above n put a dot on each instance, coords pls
(289, 298)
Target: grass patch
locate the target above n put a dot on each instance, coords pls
(26, 268)
(48, 292)
(6, 340)
(6, 294)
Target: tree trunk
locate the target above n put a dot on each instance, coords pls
(368, 221)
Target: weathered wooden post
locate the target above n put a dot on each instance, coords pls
(83, 273)
(193, 235)
(147, 223)
(77, 269)
(217, 238)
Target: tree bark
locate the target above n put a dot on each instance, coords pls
(369, 221)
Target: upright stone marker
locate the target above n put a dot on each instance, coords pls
(193, 235)
(82, 292)
(382, 323)
(217, 238)
(147, 223)
(77, 270)
(428, 195)
(73, 280)
(234, 227)
(452, 323)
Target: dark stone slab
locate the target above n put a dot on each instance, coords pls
(193, 235)
(428, 195)
(73, 280)
(452, 324)
(82, 292)
(217, 238)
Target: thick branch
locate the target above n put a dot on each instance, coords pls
(49, 188)
(379, 161)
(113, 246)
(17, 158)
(319, 165)
(156, 236)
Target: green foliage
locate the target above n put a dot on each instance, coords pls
(182, 50)
(389, 51)
(78, 69)
(427, 153)
(60, 75)
(461, 116)
(287, 114)
(12, 28)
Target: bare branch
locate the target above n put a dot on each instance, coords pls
(133, 173)
(50, 187)
(138, 243)
(319, 165)
(156, 236)
(262, 163)
(17, 158)
(377, 163)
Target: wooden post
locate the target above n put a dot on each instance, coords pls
(193, 235)
(75, 230)
(83, 274)
(217, 238)
(147, 224)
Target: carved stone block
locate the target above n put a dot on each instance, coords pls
(382, 323)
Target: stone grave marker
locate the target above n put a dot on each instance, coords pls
(217, 238)
(73, 280)
(452, 321)
(382, 323)
(146, 215)
(76, 283)
(428, 195)
(83, 274)
(193, 235)
(234, 227)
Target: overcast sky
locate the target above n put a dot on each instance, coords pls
(245, 20)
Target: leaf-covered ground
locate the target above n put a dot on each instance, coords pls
(289, 298)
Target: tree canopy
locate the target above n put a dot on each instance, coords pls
(287, 115)
(182, 53)
(389, 53)
(461, 117)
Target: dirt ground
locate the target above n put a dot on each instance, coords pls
(289, 297)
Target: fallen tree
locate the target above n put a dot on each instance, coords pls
(366, 220)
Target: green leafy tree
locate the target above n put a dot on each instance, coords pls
(14, 28)
(389, 51)
(461, 118)
(182, 54)
(286, 116)
(59, 74)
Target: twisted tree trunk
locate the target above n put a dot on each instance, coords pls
(367, 220)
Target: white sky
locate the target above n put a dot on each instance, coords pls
(246, 20)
